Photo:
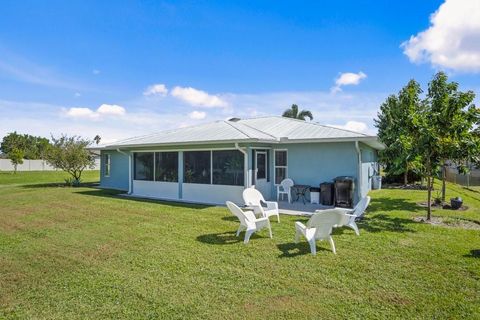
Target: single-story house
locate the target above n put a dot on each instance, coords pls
(212, 163)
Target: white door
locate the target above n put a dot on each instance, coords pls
(261, 168)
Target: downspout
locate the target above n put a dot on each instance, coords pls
(360, 181)
(129, 169)
(246, 182)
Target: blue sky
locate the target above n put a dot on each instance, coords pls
(125, 68)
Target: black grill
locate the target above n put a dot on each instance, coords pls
(344, 191)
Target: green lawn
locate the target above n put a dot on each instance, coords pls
(42, 177)
(69, 253)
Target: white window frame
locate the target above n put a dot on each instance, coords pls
(109, 157)
(275, 165)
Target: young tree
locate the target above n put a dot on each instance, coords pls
(295, 114)
(33, 147)
(16, 157)
(70, 154)
(396, 130)
(453, 117)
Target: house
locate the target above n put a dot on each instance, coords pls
(214, 162)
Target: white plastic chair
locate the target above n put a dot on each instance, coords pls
(354, 213)
(285, 188)
(319, 227)
(248, 221)
(252, 197)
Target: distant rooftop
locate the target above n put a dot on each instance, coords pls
(271, 129)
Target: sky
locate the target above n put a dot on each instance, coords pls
(126, 68)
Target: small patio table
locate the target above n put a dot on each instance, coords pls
(300, 191)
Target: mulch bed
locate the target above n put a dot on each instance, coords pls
(450, 222)
(439, 206)
(405, 187)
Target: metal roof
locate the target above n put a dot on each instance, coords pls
(272, 129)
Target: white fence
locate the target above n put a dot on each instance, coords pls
(35, 165)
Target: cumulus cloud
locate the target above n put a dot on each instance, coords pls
(355, 126)
(198, 98)
(453, 39)
(105, 110)
(156, 89)
(197, 115)
(348, 79)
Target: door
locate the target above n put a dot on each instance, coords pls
(261, 167)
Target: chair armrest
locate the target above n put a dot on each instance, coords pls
(300, 226)
(271, 205)
(262, 219)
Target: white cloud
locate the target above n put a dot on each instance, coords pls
(356, 126)
(111, 109)
(198, 98)
(105, 110)
(453, 39)
(81, 113)
(348, 79)
(156, 89)
(197, 115)
(77, 94)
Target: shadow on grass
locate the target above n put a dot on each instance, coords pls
(383, 222)
(109, 193)
(59, 185)
(225, 238)
(475, 253)
(230, 218)
(292, 249)
(472, 190)
(385, 204)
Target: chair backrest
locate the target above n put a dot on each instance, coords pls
(361, 206)
(244, 216)
(287, 184)
(323, 221)
(253, 197)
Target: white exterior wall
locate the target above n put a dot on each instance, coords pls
(212, 193)
(35, 165)
(156, 189)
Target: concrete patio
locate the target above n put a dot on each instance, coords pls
(297, 208)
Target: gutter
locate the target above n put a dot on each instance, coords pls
(129, 169)
(359, 156)
(245, 164)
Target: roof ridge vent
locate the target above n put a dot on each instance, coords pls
(234, 119)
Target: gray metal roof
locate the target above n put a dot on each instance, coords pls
(271, 129)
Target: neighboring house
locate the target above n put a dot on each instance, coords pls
(214, 162)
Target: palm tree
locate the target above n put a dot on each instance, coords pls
(97, 139)
(293, 113)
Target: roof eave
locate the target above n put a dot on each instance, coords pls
(186, 143)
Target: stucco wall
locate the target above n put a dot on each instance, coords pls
(314, 163)
(369, 167)
(118, 178)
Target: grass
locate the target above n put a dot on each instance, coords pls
(85, 253)
(42, 177)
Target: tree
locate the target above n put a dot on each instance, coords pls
(16, 157)
(293, 113)
(396, 131)
(33, 147)
(70, 154)
(97, 139)
(454, 117)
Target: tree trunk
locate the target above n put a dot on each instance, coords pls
(444, 183)
(15, 169)
(405, 176)
(429, 190)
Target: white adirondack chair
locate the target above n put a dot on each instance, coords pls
(285, 187)
(248, 221)
(356, 212)
(252, 197)
(319, 227)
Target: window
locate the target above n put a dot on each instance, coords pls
(197, 167)
(261, 165)
(228, 167)
(166, 166)
(143, 166)
(280, 165)
(107, 161)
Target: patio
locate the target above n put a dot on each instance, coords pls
(297, 208)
